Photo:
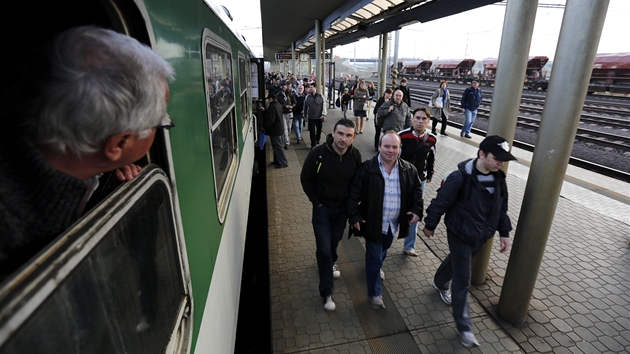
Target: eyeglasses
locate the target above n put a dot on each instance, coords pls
(167, 123)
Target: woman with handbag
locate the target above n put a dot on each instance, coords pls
(360, 98)
(440, 107)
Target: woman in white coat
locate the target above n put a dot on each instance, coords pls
(440, 107)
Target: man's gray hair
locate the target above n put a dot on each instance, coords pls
(99, 83)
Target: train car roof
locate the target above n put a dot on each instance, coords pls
(411, 63)
(224, 14)
(453, 63)
(346, 21)
(490, 63)
(612, 61)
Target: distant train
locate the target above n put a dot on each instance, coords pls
(456, 70)
(156, 266)
(611, 72)
(534, 76)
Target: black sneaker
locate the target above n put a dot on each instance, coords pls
(467, 136)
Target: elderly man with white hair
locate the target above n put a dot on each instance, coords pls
(94, 109)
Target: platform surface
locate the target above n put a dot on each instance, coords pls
(581, 301)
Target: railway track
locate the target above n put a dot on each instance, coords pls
(609, 114)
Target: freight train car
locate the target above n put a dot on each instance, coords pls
(457, 70)
(534, 78)
(156, 266)
(611, 73)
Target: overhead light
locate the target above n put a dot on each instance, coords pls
(335, 21)
(362, 37)
(408, 23)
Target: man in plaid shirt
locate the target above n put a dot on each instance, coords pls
(385, 197)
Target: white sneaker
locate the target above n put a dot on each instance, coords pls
(382, 275)
(329, 304)
(445, 295)
(410, 253)
(377, 302)
(468, 340)
(336, 272)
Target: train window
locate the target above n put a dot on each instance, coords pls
(112, 284)
(221, 116)
(244, 84)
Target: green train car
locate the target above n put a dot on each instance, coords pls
(156, 266)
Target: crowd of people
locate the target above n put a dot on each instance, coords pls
(383, 197)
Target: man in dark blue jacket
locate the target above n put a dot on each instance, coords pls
(326, 174)
(471, 100)
(385, 198)
(475, 199)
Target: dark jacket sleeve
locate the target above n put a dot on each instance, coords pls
(505, 225)
(418, 205)
(430, 165)
(379, 103)
(354, 214)
(308, 176)
(465, 98)
(446, 197)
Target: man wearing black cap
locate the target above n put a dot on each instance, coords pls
(474, 199)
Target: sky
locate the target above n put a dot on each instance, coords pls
(472, 34)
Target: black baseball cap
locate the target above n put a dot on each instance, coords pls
(498, 146)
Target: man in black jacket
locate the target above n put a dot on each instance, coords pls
(475, 199)
(274, 128)
(326, 174)
(385, 197)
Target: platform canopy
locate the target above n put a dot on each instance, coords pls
(346, 21)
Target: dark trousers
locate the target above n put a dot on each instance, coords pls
(444, 122)
(313, 125)
(277, 143)
(377, 135)
(456, 268)
(375, 253)
(328, 225)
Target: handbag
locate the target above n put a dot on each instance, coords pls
(337, 103)
(438, 102)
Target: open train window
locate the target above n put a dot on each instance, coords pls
(220, 93)
(243, 74)
(111, 284)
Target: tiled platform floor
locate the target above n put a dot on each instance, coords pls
(581, 302)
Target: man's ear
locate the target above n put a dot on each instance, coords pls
(115, 145)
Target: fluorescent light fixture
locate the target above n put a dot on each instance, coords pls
(362, 37)
(408, 23)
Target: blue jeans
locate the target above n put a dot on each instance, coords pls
(375, 253)
(410, 241)
(456, 268)
(328, 225)
(297, 125)
(470, 120)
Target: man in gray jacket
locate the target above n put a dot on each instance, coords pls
(314, 112)
(394, 114)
